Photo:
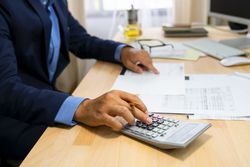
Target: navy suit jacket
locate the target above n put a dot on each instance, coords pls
(27, 98)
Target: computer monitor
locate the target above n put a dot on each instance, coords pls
(235, 11)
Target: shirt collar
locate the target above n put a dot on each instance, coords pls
(47, 2)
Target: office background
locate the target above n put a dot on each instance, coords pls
(91, 14)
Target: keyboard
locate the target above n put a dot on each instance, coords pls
(214, 49)
(166, 133)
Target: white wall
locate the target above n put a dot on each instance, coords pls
(99, 26)
(199, 11)
(190, 11)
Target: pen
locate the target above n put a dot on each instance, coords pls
(242, 75)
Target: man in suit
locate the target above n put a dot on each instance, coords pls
(35, 38)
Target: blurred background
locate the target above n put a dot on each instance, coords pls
(103, 17)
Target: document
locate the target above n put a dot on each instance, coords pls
(170, 81)
(168, 70)
(197, 100)
(217, 96)
(202, 116)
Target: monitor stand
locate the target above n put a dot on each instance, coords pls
(240, 43)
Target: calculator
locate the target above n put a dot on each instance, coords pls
(166, 133)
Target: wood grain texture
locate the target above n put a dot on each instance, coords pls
(225, 144)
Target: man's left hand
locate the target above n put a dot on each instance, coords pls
(137, 60)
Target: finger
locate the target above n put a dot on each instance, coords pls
(151, 68)
(122, 102)
(148, 64)
(142, 116)
(132, 66)
(112, 123)
(131, 98)
(123, 112)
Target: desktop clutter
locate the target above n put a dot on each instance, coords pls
(228, 55)
(192, 49)
(199, 96)
(208, 96)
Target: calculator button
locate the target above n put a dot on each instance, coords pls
(161, 126)
(154, 124)
(165, 123)
(167, 119)
(154, 119)
(160, 131)
(150, 114)
(160, 121)
(137, 133)
(154, 135)
(150, 127)
(171, 120)
(170, 124)
(160, 117)
(135, 129)
(140, 132)
(139, 123)
(156, 129)
(165, 128)
(163, 134)
(149, 133)
(176, 121)
(144, 126)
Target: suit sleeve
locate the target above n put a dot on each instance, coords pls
(17, 138)
(17, 100)
(84, 45)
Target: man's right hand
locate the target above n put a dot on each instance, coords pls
(104, 109)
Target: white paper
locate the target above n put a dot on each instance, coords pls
(168, 70)
(196, 100)
(239, 118)
(170, 81)
(214, 95)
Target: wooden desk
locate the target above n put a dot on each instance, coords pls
(225, 144)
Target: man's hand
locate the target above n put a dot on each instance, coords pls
(104, 109)
(137, 60)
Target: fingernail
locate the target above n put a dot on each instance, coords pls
(149, 120)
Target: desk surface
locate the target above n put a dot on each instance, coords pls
(226, 143)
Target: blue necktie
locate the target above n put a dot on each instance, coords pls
(55, 43)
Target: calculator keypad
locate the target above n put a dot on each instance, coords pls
(158, 127)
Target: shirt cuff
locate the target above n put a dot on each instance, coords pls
(67, 110)
(118, 52)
